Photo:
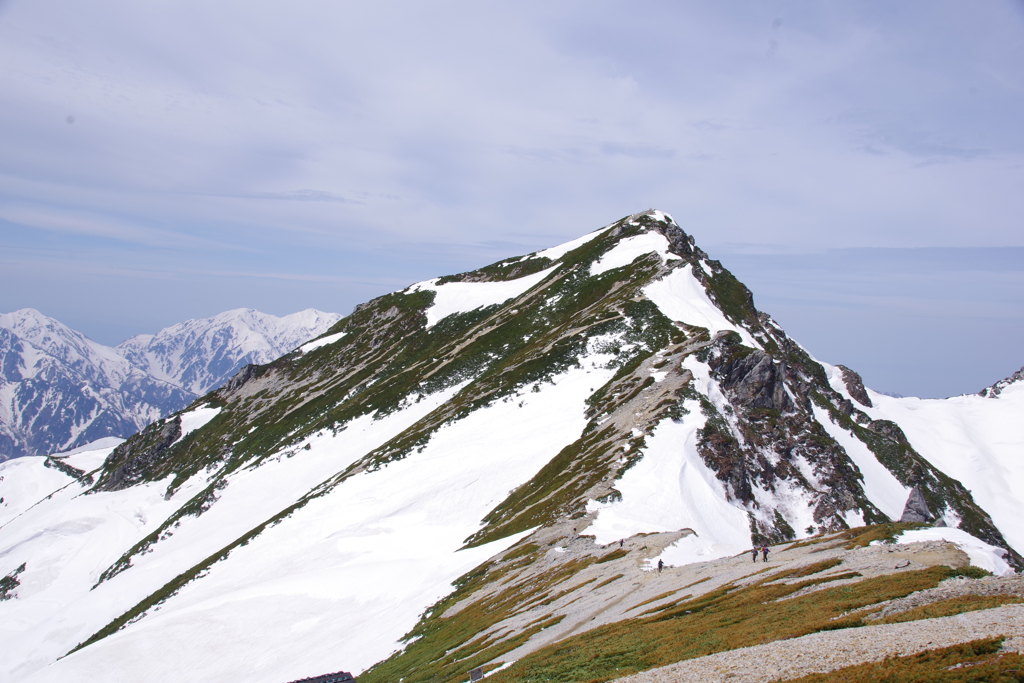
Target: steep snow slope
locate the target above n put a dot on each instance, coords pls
(975, 439)
(198, 355)
(302, 517)
(59, 390)
(342, 563)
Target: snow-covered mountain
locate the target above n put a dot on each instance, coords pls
(533, 431)
(60, 390)
(199, 355)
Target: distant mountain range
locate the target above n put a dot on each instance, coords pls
(60, 390)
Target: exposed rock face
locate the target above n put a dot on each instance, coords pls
(916, 509)
(997, 388)
(888, 428)
(130, 460)
(755, 381)
(855, 385)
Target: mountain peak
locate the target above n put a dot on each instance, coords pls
(996, 389)
(63, 390)
(503, 436)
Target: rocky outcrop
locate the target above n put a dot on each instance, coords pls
(888, 428)
(997, 388)
(129, 461)
(754, 380)
(916, 509)
(855, 385)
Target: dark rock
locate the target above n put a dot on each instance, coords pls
(997, 388)
(754, 380)
(239, 378)
(889, 429)
(855, 385)
(916, 509)
(131, 459)
(679, 242)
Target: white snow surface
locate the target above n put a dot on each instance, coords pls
(555, 253)
(23, 483)
(462, 297)
(333, 586)
(981, 554)
(669, 489)
(680, 296)
(322, 341)
(880, 485)
(198, 355)
(975, 439)
(105, 443)
(196, 418)
(629, 249)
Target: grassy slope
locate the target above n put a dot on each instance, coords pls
(448, 642)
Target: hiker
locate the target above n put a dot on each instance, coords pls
(621, 541)
(753, 554)
(660, 565)
(764, 553)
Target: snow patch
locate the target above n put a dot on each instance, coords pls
(462, 297)
(880, 485)
(322, 341)
(681, 297)
(671, 488)
(555, 253)
(976, 440)
(629, 249)
(196, 419)
(981, 554)
(691, 549)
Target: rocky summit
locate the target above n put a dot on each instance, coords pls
(551, 468)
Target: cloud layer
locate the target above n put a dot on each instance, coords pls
(205, 153)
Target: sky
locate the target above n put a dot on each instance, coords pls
(858, 163)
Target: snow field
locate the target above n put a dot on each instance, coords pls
(68, 613)
(669, 489)
(196, 419)
(336, 585)
(977, 440)
(462, 297)
(681, 297)
(23, 483)
(555, 253)
(66, 541)
(629, 249)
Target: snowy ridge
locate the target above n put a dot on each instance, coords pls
(60, 390)
(311, 511)
(974, 439)
(198, 355)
